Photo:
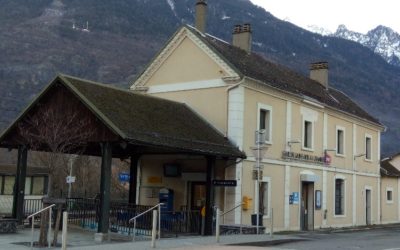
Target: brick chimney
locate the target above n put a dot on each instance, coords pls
(201, 15)
(319, 73)
(242, 37)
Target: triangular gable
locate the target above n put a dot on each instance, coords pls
(182, 56)
(50, 96)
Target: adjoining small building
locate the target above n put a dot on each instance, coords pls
(35, 188)
(390, 189)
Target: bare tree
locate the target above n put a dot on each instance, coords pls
(58, 132)
(119, 190)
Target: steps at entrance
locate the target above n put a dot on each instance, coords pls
(243, 229)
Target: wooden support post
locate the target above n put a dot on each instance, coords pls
(105, 183)
(209, 195)
(19, 185)
(133, 178)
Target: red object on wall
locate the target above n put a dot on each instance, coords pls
(328, 159)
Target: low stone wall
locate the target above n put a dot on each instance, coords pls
(8, 226)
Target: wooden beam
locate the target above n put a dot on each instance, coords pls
(211, 160)
(19, 185)
(133, 178)
(105, 184)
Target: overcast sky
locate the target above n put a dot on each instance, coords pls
(357, 15)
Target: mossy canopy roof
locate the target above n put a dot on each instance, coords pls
(144, 120)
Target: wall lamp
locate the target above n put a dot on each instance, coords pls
(359, 155)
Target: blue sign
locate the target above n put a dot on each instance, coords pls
(124, 177)
(295, 197)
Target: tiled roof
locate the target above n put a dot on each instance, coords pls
(255, 66)
(388, 169)
(144, 120)
(153, 121)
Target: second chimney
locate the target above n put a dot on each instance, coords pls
(319, 73)
(201, 15)
(242, 37)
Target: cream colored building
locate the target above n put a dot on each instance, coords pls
(304, 119)
(390, 189)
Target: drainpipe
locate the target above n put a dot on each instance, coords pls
(227, 104)
(226, 131)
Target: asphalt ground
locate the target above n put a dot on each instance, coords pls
(370, 238)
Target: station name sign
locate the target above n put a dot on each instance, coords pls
(306, 157)
(224, 183)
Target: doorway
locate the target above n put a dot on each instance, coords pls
(307, 206)
(198, 195)
(368, 206)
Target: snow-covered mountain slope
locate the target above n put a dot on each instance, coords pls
(319, 30)
(382, 40)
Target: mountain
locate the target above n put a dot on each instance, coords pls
(319, 30)
(112, 41)
(382, 40)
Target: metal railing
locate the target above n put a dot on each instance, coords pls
(121, 212)
(85, 212)
(222, 214)
(33, 219)
(32, 206)
(230, 210)
(143, 213)
(180, 222)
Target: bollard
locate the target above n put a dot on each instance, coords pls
(217, 227)
(64, 230)
(33, 226)
(49, 231)
(154, 229)
(159, 222)
(271, 233)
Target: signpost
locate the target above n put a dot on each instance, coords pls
(258, 151)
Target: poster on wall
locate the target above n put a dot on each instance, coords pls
(318, 197)
(295, 197)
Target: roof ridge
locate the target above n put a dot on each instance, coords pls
(111, 86)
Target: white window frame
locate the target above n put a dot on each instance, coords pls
(344, 141)
(267, 180)
(303, 134)
(389, 189)
(365, 147)
(340, 177)
(261, 106)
